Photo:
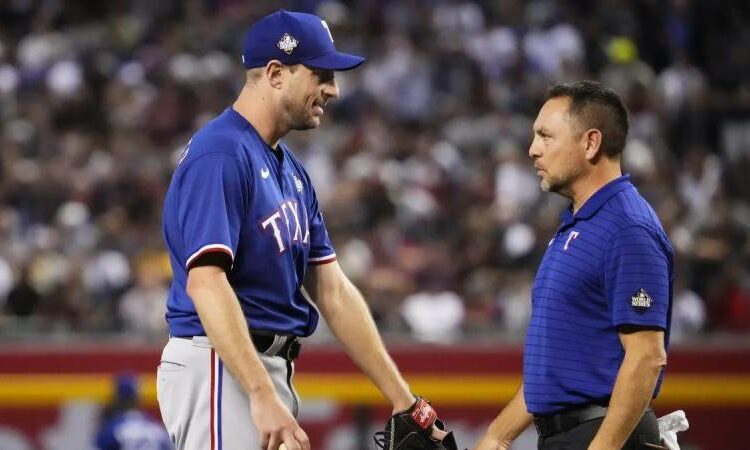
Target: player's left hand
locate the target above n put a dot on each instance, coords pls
(415, 428)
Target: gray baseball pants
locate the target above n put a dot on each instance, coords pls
(202, 405)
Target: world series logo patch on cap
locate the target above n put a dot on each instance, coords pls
(287, 44)
(641, 300)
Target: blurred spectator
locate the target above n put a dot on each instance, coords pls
(513, 302)
(6, 281)
(682, 88)
(516, 185)
(434, 314)
(123, 426)
(688, 313)
(23, 300)
(142, 307)
(698, 184)
(625, 70)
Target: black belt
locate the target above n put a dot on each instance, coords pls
(567, 420)
(288, 347)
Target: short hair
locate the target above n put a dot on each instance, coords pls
(256, 73)
(596, 106)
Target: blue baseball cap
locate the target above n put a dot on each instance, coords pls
(126, 386)
(294, 38)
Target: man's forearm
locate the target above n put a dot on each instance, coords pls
(511, 421)
(631, 396)
(351, 322)
(225, 325)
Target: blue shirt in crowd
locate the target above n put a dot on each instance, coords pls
(132, 430)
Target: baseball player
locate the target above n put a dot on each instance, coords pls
(250, 254)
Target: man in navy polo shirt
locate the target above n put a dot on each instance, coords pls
(601, 301)
(250, 251)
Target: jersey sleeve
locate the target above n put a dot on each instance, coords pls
(637, 278)
(321, 248)
(211, 206)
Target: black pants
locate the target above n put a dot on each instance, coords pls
(644, 437)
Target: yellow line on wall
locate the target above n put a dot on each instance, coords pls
(458, 390)
(50, 390)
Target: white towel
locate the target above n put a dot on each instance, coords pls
(670, 425)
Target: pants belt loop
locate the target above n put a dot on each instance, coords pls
(278, 342)
(202, 341)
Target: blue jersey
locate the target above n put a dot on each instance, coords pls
(608, 265)
(132, 430)
(234, 194)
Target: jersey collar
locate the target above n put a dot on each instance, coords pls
(244, 123)
(596, 201)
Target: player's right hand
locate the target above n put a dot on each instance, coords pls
(275, 423)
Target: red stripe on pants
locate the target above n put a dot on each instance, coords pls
(213, 385)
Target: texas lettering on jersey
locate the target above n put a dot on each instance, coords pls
(298, 230)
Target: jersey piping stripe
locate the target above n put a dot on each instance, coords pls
(211, 407)
(323, 259)
(217, 369)
(210, 248)
(220, 369)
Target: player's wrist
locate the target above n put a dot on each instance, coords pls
(504, 440)
(261, 391)
(404, 403)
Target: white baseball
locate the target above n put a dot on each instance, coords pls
(282, 446)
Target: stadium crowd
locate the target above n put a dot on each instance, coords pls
(421, 165)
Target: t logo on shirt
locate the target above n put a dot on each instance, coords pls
(571, 236)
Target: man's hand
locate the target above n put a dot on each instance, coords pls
(275, 423)
(511, 422)
(489, 442)
(438, 434)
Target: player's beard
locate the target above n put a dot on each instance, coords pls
(551, 183)
(299, 115)
(548, 185)
(560, 183)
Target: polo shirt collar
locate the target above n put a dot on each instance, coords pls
(596, 201)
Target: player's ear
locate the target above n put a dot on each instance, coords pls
(591, 140)
(275, 73)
